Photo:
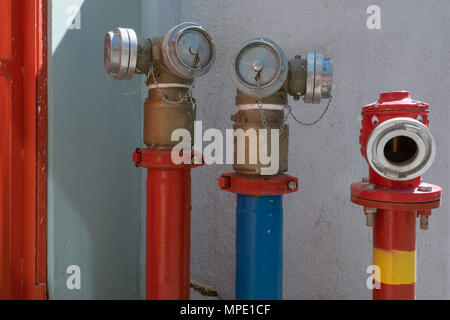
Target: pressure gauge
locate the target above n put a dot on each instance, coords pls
(319, 80)
(188, 50)
(259, 68)
(120, 53)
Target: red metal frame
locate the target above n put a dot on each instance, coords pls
(23, 145)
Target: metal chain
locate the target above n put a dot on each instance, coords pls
(123, 92)
(260, 103)
(289, 108)
(186, 95)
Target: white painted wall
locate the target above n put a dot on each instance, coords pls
(94, 188)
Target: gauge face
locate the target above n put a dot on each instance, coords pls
(194, 49)
(258, 63)
(259, 68)
(188, 50)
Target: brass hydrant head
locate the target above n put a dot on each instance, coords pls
(260, 69)
(187, 51)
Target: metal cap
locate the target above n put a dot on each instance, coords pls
(188, 49)
(263, 58)
(319, 79)
(401, 149)
(120, 53)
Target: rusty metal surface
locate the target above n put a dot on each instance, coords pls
(251, 119)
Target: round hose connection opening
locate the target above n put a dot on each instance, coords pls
(400, 150)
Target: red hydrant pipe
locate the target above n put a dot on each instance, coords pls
(394, 234)
(398, 146)
(168, 225)
(168, 234)
(394, 245)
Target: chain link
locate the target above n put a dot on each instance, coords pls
(289, 108)
(151, 72)
(132, 93)
(260, 103)
(188, 93)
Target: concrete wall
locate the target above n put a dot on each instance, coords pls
(96, 203)
(327, 246)
(94, 188)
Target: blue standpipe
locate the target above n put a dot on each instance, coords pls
(259, 250)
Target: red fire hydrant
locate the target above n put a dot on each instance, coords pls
(398, 146)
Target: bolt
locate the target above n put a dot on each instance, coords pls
(370, 216)
(369, 186)
(292, 185)
(424, 222)
(423, 188)
(257, 66)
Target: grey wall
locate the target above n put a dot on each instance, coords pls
(96, 203)
(327, 246)
(94, 199)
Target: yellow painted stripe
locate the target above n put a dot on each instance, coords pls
(396, 266)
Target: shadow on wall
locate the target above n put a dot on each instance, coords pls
(94, 188)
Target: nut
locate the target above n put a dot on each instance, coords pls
(370, 216)
(424, 222)
(292, 185)
(423, 188)
(369, 186)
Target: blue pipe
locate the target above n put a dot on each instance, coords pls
(259, 251)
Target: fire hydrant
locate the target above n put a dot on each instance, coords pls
(264, 78)
(398, 146)
(171, 63)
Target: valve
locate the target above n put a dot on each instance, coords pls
(399, 148)
(171, 64)
(187, 50)
(260, 68)
(264, 79)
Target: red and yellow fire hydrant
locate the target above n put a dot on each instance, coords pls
(398, 146)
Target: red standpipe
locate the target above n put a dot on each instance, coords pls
(168, 225)
(393, 205)
(394, 231)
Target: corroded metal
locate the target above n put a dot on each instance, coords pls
(251, 119)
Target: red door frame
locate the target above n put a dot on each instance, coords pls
(23, 149)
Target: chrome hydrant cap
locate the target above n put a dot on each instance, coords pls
(120, 53)
(259, 59)
(188, 50)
